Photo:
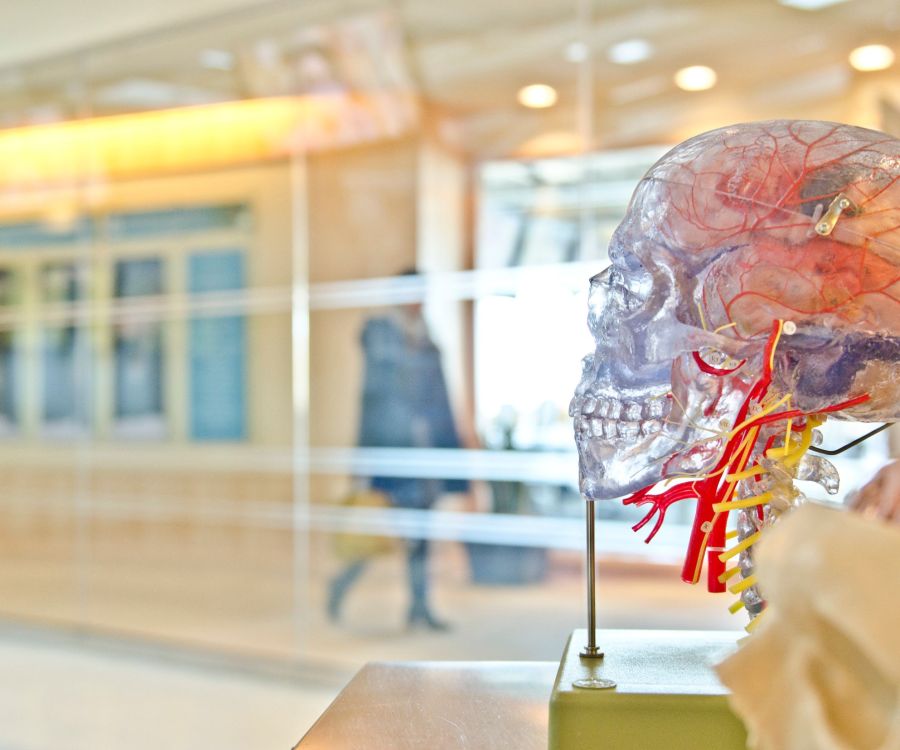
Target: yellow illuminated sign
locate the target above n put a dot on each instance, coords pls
(177, 140)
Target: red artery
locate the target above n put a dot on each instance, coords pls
(707, 537)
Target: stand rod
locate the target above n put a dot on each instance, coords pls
(591, 650)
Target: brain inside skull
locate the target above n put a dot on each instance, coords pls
(786, 230)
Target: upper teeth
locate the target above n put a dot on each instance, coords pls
(657, 408)
(609, 417)
(611, 408)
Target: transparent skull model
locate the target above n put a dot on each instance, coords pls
(754, 289)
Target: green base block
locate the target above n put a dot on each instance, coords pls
(666, 694)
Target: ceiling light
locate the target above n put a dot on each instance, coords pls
(629, 52)
(872, 57)
(810, 4)
(696, 78)
(537, 96)
(217, 59)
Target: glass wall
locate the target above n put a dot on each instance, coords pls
(293, 300)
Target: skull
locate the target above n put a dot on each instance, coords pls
(730, 231)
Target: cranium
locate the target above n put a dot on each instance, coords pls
(795, 221)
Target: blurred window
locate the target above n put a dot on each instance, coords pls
(217, 369)
(176, 222)
(113, 357)
(10, 354)
(549, 213)
(65, 353)
(139, 356)
(31, 234)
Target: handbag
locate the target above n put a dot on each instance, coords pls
(351, 545)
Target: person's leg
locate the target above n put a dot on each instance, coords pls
(417, 557)
(419, 611)
(341, 583)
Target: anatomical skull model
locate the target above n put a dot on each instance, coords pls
(754, 290)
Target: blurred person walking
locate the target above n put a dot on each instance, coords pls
(405, 404)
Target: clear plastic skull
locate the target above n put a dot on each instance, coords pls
(794, 221)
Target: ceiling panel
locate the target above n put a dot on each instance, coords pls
(466, 60)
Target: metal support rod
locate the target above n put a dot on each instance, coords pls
(591, 650)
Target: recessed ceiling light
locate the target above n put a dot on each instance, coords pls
(537, 96)
(872, 57)
(217, 59)
(810, 4)
(696, 78)
(629, 52)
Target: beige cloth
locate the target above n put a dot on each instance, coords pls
(822, 671)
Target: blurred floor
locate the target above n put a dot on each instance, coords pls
(513, 622)
(61, 693)
(171, 640)
(240, 603)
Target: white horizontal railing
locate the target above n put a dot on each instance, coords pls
(445, 286)
(442, 463)
(451, 285)
(614, 537)
(426, 463)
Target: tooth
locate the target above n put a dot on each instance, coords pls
(596, 428)
(632, 411)
(651, 427)
(609, 428)
(602, 407)
(588, 406)
(614, 409)
(628, 430)
(655, 408)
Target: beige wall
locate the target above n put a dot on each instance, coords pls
(374, 212)
(362, 211)
(362, 224)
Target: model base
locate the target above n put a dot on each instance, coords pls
(666, 694)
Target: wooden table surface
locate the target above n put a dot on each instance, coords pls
(438, 706)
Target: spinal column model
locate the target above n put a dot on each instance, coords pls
(754, 290)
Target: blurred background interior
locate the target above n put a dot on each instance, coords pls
(204, 205)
